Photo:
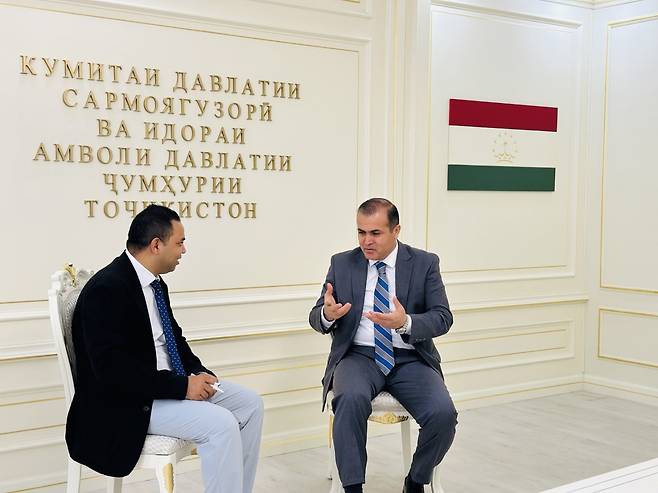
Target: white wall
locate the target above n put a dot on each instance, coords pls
(622, 318)
(531, 315)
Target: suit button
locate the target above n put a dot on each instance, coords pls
(146, 409)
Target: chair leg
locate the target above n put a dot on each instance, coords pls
(336, 485)
(73, 477)
(114, 485)
(330, 446)
(405, 432)
(165, 475)
(435, 485)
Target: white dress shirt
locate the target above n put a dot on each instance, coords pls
(146, 277)
(365, 334)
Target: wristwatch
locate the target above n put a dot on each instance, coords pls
(405, 326)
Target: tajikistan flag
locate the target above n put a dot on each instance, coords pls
(501, 146)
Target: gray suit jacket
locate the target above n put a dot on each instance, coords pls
(418, 287)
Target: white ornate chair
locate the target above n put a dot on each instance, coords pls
(386, 410)
(160, 452)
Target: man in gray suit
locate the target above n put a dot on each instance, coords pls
(383, 303)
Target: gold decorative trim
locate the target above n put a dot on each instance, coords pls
(628, 289)
(513, 392)
(202, 340)
(388, 418)
(306, 284)
(497, 269)
(522, 303)
(632, 20)
(27, 358)
(274, 370)
(279, 392)
(487, 338)
(36, 428)
(70, 269)
(168, 473)
(516, 353)
(619, 388)
(32, 488)
(611, 26)
(241, 288)
(253, 335)
(36, 401)
(506, 14)
(644, 364)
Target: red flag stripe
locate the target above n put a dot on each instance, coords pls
(467, 113)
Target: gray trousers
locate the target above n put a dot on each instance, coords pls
(420, 389)
(227, 430)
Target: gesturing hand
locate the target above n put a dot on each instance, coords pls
(333, 310)
(390, 320)
(199, 387)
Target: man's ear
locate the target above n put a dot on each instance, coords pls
(154, 245)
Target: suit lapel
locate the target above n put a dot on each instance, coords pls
(359, 273)
(403, 271)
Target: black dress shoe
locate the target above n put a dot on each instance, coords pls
(410, 486)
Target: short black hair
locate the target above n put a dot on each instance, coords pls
(152, 222)
(371, 206)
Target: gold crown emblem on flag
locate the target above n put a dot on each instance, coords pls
(504, 147)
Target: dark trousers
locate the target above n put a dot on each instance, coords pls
(419, 388)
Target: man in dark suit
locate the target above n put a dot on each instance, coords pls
(383, 303)
(136, 374)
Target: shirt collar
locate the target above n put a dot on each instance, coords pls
(390, 260)
(145, 276)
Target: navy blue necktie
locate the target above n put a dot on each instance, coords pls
(384, 356)
(170, 339)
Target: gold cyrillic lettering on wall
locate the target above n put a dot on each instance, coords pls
(113, 89)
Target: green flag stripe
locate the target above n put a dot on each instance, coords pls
(500, 178)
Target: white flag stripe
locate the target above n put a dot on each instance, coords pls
(496, 146)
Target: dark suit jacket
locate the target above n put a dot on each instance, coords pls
(116, 377)
(418, 287)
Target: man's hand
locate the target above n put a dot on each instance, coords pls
(391, 320)
(199, 387)
(333, 310)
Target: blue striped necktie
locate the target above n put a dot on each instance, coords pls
(170, 339)
(383, 338)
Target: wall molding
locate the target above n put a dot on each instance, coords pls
(515, 15)
(623, 390)
(520, 302)
(592, 4)
(205, 334)
(42, 349)
(527, 360)
(526, 390)
(364, 12)
(470, 335)
(148, 15)
(610, 26)
(503, 275)
(625, 312)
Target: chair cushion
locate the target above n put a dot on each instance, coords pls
(384, 404)
(163, 445)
